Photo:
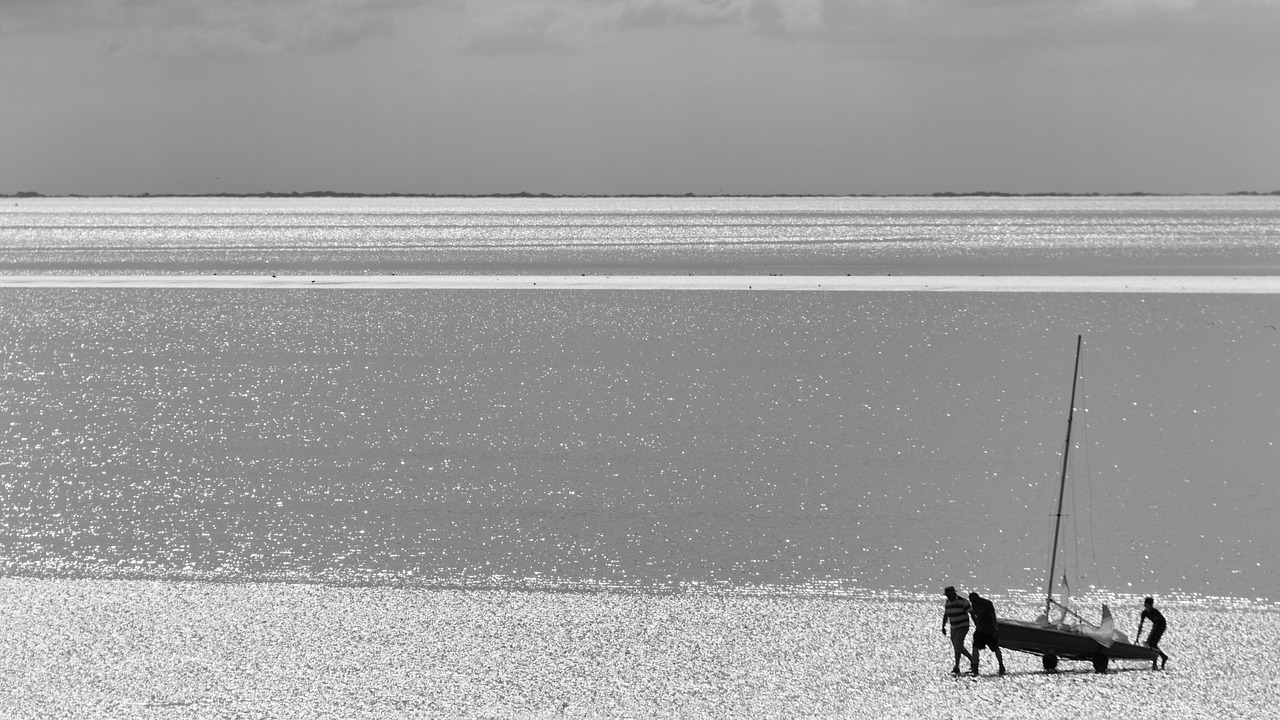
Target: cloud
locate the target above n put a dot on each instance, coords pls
(1235, 31)
(655, 13)
(1064, 34)
(1013, 30)
(35, 16)
(193, 28)
(526, 29)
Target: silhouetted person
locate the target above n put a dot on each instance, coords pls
(956, 615)
(1150, 612)
(984, 629)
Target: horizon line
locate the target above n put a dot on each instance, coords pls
(1170, 284)
(31, 195)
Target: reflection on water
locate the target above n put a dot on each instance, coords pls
(636, 439)
(1193, 235)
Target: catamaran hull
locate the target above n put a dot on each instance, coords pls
(1037, 640)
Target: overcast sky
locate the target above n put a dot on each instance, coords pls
(639, 96)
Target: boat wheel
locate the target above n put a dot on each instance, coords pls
(1100, 661)
(1050, 662)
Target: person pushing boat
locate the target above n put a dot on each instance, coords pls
(1074, 638)
(1149, 612)
(984, 629)
(956, 614)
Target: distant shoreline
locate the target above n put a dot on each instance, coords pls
(556, 196)
(1172, 284)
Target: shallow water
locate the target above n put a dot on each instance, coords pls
(1038, 236)
(639, 439)
(179, 650)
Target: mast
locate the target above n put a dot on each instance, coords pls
(1062, 484)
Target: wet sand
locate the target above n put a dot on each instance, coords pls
(126, 649)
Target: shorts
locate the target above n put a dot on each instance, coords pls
(1153, 640)
(985, 640)
(957, 636)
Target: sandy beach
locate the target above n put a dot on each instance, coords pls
(125, 649)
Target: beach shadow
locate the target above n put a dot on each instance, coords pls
(1083, 669)
(1086, 669)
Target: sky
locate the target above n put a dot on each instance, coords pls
(102, 97)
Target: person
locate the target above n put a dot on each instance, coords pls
(1150, 612)
(984, 629)
(956, 614)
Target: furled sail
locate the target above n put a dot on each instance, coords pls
(1105, 633)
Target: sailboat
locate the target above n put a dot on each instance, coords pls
(1068, 636)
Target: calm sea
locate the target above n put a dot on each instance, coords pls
(637, 438)
(745, 501)
(1134, 235)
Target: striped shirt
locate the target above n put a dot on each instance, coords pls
(958, 613)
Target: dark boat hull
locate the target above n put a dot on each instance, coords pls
(1037, 640)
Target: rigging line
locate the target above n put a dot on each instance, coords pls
(1053, 549)
(1081, 447)
(1088, 478)
(1075, 570)
(1075, 530)
(1045, 498)
(1062, 484)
